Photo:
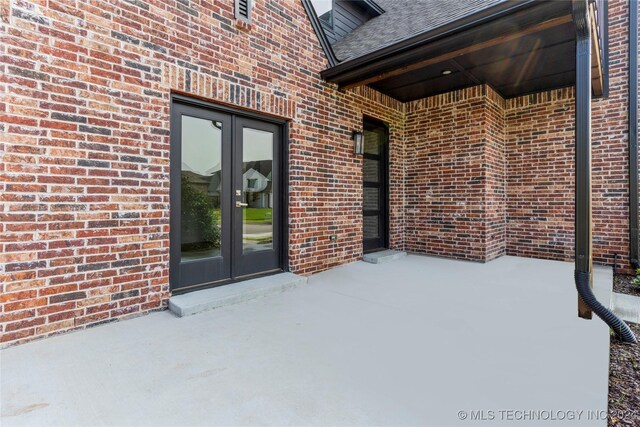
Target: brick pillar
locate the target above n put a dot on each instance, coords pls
(455, 175)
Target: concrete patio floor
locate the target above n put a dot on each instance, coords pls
(417, 341)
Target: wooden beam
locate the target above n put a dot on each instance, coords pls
(545, 25)
(597, 80)
(469, 73)
(461, 69)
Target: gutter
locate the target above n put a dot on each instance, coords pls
(633, 134)
(357, 65)
(583, 245)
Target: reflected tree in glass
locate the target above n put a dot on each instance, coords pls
(200, 188)
(200, 218)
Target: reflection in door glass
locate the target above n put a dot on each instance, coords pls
(373, 181)
(257, 190)
(370, 226)
(200, 188)
(374, 141)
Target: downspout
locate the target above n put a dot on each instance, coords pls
(583, 253)
(633, 134)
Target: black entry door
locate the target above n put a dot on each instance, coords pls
(256, 201)
(225, 197)
(375, 184)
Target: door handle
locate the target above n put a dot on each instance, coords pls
(241, 205)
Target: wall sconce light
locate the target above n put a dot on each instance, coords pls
(358, 142)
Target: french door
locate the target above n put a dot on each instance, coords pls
(226, 198)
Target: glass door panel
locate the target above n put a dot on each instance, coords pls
(371, 170)
(374, 186)
(200, 188)
(257, 190)
(370, 226)
(200, 235)
(257, 197)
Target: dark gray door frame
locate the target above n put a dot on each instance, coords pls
(192, 273)
(383, 241)
(179, 101)
(251, 263)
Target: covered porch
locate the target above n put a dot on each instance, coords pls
(485, 97)
(497, 139)
(415, 341)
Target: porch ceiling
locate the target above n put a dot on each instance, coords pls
(529, 50)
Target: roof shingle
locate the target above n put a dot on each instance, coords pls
(403, 19)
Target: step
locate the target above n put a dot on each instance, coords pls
(383, 256)
(603, 285)
(234, 293)
(627, 307)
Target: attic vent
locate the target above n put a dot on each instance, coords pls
(243, 10)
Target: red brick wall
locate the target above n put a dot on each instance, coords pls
(495, 185)
(326, 179)
(522, 202)
(455, 175)
(540, 153)
(611, 147)
(84, 119)
(487, 176)
(540, 171)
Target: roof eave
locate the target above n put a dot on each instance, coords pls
(348, 70)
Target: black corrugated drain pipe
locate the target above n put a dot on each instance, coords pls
(621, 329)
(583, 255)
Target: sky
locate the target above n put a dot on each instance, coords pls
(322, 6)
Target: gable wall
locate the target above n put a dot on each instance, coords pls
(84, 119)
(347, 16)
(85, 100)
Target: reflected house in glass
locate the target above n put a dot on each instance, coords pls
(257, 184)
(208, 182)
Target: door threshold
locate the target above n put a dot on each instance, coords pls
(223, 282)
(383, 256)
(222, 296)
